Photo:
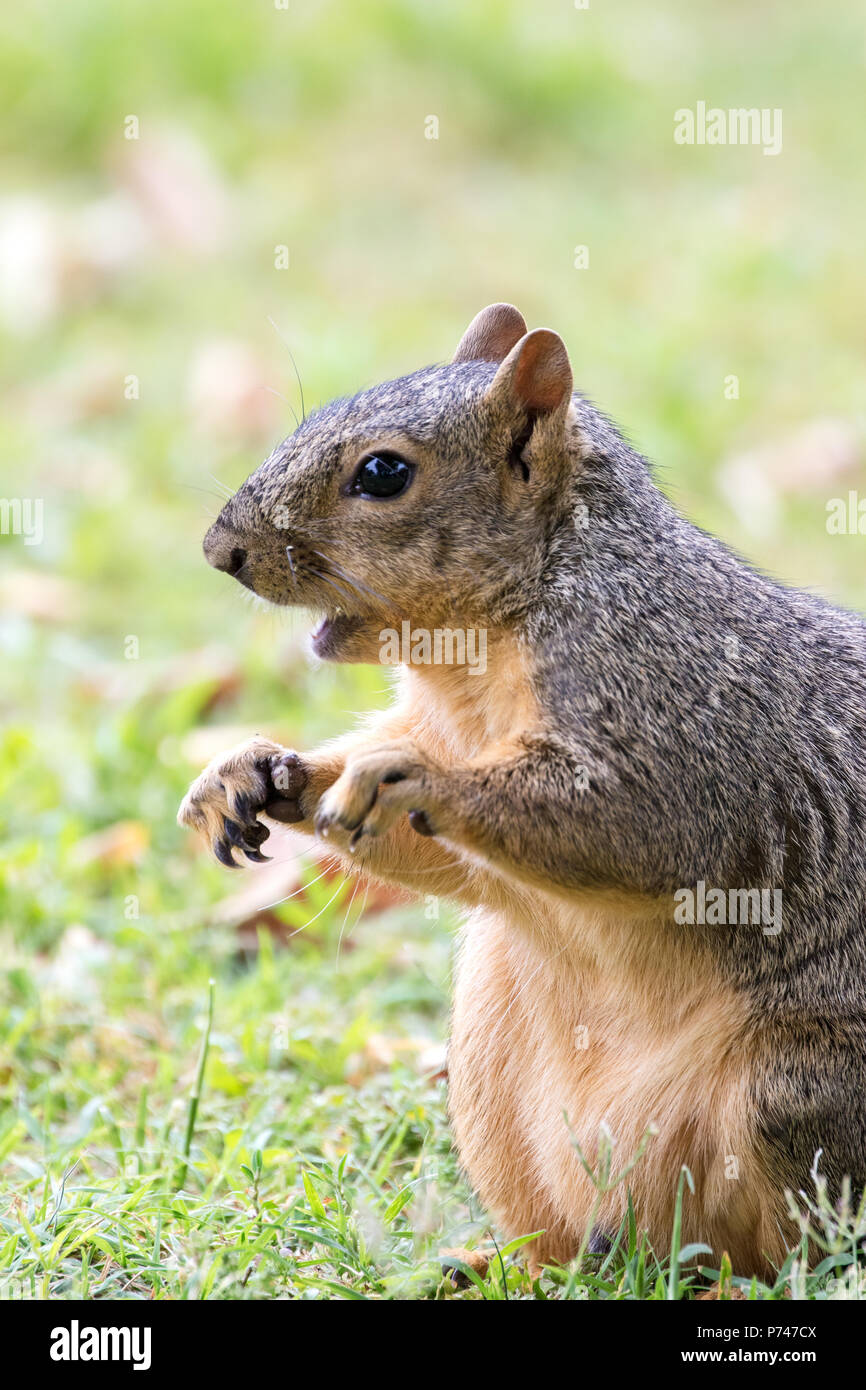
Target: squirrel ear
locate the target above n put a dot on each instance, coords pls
(536, 374)
(491, 335)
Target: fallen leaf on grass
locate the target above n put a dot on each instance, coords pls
(380, 1052)
(815, 456)
(265, 886)
(36, 594)
(177, 189)
(228, 392)
(216, 667)
(122, 843)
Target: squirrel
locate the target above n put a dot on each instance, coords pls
(661, 742)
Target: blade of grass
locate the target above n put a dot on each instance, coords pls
(194, 1099)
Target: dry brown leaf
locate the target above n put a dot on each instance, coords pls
(228, 392)
(809, 460)
(122, 843)
(176, 188)
(381, 1051)
(36, 594)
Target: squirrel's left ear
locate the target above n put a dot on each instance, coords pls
(491, 335)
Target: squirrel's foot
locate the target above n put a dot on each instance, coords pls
(377, 787)
(224, 803)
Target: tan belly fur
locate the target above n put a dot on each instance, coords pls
(568, 1018)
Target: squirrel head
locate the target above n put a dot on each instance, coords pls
(429, 498)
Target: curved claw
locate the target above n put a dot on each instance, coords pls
(246, 836)
(247, 839)
(224, 854)
(234, 833)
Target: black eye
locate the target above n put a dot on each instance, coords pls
(381, 475)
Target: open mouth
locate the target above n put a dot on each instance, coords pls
(328, 637)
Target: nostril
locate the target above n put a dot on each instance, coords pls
(237, 560)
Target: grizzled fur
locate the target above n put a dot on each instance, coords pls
(722, 720)
(696, 720)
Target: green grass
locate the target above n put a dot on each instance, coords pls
(315, 1160)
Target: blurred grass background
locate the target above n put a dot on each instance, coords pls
(137, 281)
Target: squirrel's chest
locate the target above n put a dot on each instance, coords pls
(462, 713)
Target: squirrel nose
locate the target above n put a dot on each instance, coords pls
(222, 552)
(236, 561)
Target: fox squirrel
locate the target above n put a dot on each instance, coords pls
(660, 737)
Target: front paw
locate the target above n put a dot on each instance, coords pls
(224, 803)
(378, 786)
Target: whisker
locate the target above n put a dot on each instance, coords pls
(289, 549)
(209, 491)
(280, 901)
(350, 579)
(359, 584)
(343, 924)
(224, 488)
(330, 579)
(340, 886)
(285, 400)
(363, 908)
(294, 364)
